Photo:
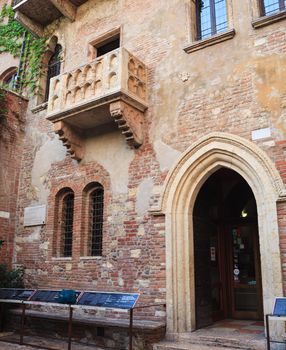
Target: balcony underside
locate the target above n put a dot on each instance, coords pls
(37, 14)
(97, 117)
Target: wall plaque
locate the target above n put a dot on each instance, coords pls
(34, 216)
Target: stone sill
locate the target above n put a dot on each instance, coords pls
(90, 258)
(266, 20)
(40, 107)
(213, 40)
(62, 258)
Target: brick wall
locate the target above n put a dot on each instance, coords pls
(12, 123)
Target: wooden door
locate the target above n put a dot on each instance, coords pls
(245, 274)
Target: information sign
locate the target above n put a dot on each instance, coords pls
(15, 294)
(109, 300)
(47, 296)
(279, 307)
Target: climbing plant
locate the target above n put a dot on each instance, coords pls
(10, 278)
(15, 40)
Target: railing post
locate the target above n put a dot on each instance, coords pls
(267, 332)
(22, 323)
(70, 327)
(130, 329)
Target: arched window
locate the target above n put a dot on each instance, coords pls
(54, 68)
(211, 17)
(9, 78)
(95, 218)
(67, 224)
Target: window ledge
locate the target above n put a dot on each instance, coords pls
(62, 258)
(40, 107)
(90, 258)
(266, 20)
(215, 39)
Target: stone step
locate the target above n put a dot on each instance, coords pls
(185, 346)
(207, 343)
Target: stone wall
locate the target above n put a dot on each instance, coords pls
(235, 86)
(12, 126)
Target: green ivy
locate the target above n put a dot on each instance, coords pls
(10, 278)
(11, 39)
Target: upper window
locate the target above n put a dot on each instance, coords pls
(108, 46)
(211, 18)
(54, 68)
(269, 7)
(96, 220)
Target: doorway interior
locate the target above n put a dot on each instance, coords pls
(226, 251)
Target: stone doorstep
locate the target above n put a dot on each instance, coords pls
(138, 325)
(211, 342)
(200, 346)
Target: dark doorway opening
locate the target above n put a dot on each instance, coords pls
(226, 249)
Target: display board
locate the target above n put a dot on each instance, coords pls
(279, 308)
(15, 294)
(109, 300)
(47, 296)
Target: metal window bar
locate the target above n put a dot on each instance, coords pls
(211, 18)
(54, 68)
(96, 221)
(67, 229)
(270, 7)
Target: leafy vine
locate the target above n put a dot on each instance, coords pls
(12, 35)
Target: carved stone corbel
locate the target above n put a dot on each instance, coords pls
(129, 121)
(70, 139)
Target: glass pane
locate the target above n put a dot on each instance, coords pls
(206, 30)
(272, 6)
(244, 274)
(221, 16)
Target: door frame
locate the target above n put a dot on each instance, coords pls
(182, 184)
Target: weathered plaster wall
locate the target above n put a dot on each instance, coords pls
(235, 86)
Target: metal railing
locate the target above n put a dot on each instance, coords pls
(16, 2)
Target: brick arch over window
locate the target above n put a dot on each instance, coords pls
(63, 223)
(93, 219)
(181, 188)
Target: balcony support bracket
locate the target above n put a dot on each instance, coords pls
(70, 139)
(129, 121)
(66, 8)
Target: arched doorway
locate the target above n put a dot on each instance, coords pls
(202, 159)
(226, 250)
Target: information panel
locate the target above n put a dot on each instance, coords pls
(15, 294)
(47, 296)
(279, 307)
(109, 300)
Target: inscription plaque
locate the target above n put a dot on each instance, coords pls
(34, 216)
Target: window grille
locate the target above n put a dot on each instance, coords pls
(96, 221)
(54, 68)
(211, 18)
(270, 7)
(67, 228)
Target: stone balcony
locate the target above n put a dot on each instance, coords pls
(94, 98)
(36, 14)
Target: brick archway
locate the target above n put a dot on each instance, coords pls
(181, 188)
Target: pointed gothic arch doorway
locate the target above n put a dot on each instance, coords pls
(226, 250)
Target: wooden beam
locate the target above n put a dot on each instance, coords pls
(66, 8)
(32, 26)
